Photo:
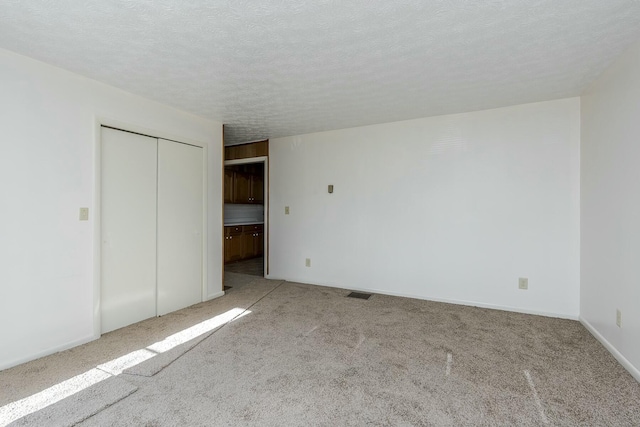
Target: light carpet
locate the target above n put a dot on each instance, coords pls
(308, 355)
(80, 406)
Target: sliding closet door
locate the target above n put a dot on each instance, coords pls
(180, 207)
(128, 224)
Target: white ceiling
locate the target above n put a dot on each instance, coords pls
(271, 68)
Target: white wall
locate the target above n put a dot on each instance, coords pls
(451, 208)
(610, 210)
(47, 171)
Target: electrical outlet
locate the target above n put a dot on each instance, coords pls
(286, 210)
(619, 318)
(523, 283)
(84, 214)
(307, 262)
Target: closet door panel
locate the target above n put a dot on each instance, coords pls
(180, 217)
(128, 227)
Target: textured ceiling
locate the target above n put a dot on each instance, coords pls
(271, 68)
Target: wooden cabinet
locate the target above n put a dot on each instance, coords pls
(257, 189)
(247, 245)
(240, 187)
(259, 244)
(244, 151)
(243, 242)
(233, 250)
(253, 240)
(228, 185)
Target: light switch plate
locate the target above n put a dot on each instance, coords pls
(84, 214)
(330, 189)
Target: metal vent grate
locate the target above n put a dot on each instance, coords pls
(359, 295)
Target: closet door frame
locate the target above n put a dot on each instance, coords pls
(99, 122)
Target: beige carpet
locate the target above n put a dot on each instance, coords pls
(307, 355)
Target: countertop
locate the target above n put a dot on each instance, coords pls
(230, 224)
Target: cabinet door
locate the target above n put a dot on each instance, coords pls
(235, 248)
(243, 151)
(180, 225)
(228, 185)
(259, 244)
(242, 185)
(257, 189)
(247, 245)
(227, 245)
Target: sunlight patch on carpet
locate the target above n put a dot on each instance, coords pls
(38, 401)
(197, 330)
(51, 395)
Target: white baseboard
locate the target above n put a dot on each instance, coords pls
(484, 305)
(214, 296)
(47, 352)
(445, 300)
(614, 351)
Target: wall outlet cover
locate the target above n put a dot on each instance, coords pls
(619, 318)
(286, 210)
(523, 283)
(307, 262)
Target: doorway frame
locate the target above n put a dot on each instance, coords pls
(99, 122)
(246, 161)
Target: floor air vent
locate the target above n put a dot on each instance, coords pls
(359, 295)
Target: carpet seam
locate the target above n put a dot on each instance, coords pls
(210, 333)
(169, 364)
(107, 406)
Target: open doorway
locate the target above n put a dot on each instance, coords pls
(245, 216)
